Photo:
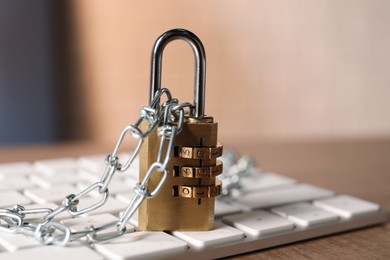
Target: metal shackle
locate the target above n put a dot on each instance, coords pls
(200, 65)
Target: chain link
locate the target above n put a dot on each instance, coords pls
(168, 118)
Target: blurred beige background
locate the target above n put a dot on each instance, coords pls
(283, 70)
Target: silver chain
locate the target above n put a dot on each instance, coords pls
(168, 118)
(235, 170)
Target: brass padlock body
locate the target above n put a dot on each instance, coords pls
(167, 211)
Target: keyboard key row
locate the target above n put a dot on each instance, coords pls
(260, 181)
(344, 206)
(93, 163)
(305, 214)
(53, 166)
(258, 223)
(55, 194)
(48, 181)
(282, 195)
(347, 206)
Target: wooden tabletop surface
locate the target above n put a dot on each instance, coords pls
(359, 168)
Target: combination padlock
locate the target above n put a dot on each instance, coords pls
(186, 201)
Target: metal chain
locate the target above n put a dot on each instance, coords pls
(168, 118)
(235, 170)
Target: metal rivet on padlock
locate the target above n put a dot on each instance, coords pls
(186, 202)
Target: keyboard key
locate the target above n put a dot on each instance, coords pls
(55, 194)
(9, 198)
(142, 245)
(47, 181)
(53, 252)
(92, 163)
(259, 181)
(52, 166)
(13, 242)
(347, 206)
(283, 195)
(223, 208)
(258, 223)
(305, 214)
(15, 183)
(15, 169)
(220, 234)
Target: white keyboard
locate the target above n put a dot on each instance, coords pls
(272, 210)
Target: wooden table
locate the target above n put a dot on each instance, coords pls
(359, 168)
